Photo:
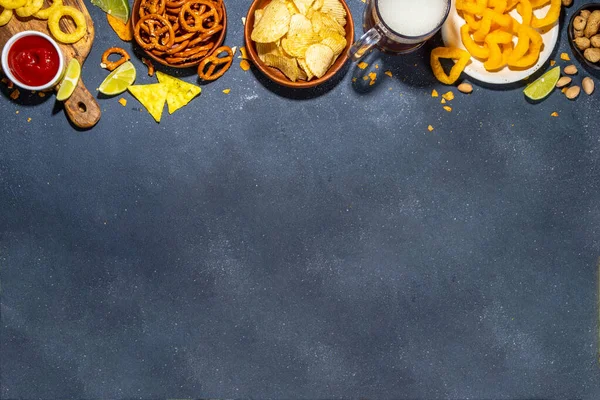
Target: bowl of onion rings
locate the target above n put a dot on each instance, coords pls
(179, 33)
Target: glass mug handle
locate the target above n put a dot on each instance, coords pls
(364, 44)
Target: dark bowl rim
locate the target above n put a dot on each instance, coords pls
(218, 42)
(578, 53)
(277, 76)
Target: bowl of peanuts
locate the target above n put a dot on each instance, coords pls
(584, 35)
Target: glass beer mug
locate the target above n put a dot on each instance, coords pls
(399, 26)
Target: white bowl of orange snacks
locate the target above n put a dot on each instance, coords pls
(299, 43)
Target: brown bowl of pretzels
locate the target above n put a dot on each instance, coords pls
(179, 33)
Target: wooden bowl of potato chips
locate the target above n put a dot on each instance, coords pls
(299, 43)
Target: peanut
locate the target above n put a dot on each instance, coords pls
(465, 88)
(585, 14)
(572, 92)
(577, 34)
(579, 23)
(582, 43)
(593, 24)
(570, 69)
(563, 81)
(595, 41)
(588, 85)
(592, 55)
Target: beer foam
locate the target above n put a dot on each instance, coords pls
(413, 17)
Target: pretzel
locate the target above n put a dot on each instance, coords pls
(151, 39)
(203, 15)
(150, 66)
(112, 65)
(179, 31)
(214, 62)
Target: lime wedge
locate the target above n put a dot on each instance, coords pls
(117, 8)
(542, 86)
(119, 80)
(69, 80)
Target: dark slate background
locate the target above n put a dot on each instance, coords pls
(314, 244)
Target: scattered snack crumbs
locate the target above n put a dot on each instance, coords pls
(244, 21)
(10, 84)
(245, 65)
(16, 112)
(150, 66)
(354, 79)
(226, 91)
(449, 96)
(443, 101)
(5, 80)
(41, 94)
(376, 66)
(434, 93)
(389, 73)
(365, 78)
(373, 76)
(552, 63)
(554, 114)
(430, 128)
(362, 65)
(15, 94)
(565, 56)
(448, 108)
(29, 119)
(243, 53)
(372, 82)
(123, 101)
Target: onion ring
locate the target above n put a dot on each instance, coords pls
(78, 18)
(44, 13)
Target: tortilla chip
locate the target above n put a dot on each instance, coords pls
(180, 93)
(123, 30)
(152, 97)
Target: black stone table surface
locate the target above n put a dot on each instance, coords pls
(302, 244)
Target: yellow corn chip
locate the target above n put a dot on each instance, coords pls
(180, 93)
(319, 58)
(274, 23)
(288, 66)
(152, 97)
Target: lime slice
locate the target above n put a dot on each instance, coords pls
(542, 86)
(69, 80)
(117, 8)
(119, 80)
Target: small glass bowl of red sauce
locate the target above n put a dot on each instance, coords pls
(33, 60)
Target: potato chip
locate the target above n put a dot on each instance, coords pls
(304, 67)
(180, 93)
(303, 5)
(267, 48)
(257, 16)
(273, 24)
(297, 45)
(336, 10)
(299, 24)
(291, 7)
(316, 5)
(323, 21)
(335, 42)
(152, 96)
(318, 59)
(289, 66)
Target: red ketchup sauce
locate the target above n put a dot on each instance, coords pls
(33, 60)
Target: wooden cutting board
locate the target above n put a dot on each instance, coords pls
(82, 108)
